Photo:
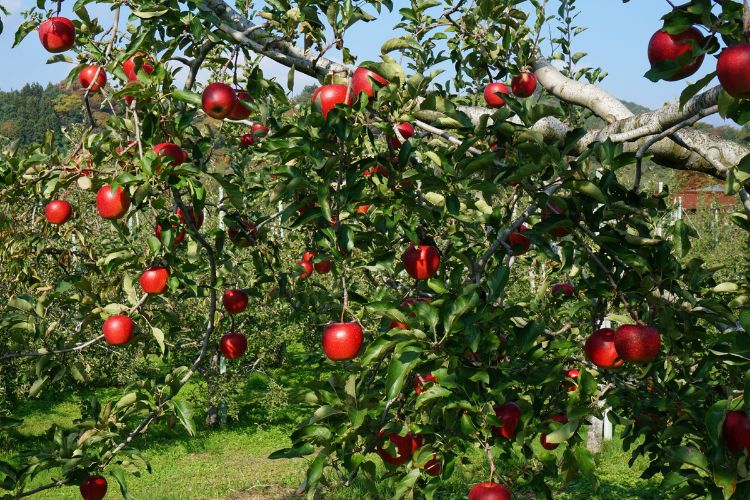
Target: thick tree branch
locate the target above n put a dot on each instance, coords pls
(717, 155)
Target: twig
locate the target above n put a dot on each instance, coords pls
(53, 484)
(31, 354)
(445, 136)
(503, 235)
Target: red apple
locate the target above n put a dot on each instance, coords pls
(637, 343)
(176, 154)
(492, 94)
(524, 84)
(421, 262)
(561, 418)
(365, 80)
(112, 204)
(342, 341)
(736, 431)
(218, 100)
(600, 349)
(118, 330)
(58, 211)
(233, 345)
(323, 267)
(154, 280)
(307, 268)
(195, 219)
(732, 69)
(489, 491)
(88, 75)
(240, 111)
(93, 488)
(550, 210)
(57, 34)
(132, 62)
(509, 415)
(519, 243)
(664, 47)
(363, 209)
(235, 301)
(421, 381)
(564, 289)
(377, 169)
(247, 140)
(571, 382)
(259, 130)
(433, 466)
(326, 98)
(242, 233)
(406, 130)
(405, 447)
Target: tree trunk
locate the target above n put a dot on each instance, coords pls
(212, 412)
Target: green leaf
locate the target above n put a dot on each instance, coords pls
(497, 281)
(38, 385)
(563, 433)
(714, 419)
(324, 412)
(688, 455)
(407, 483)
(126, 400)
(434, 392)
(159, 336)
(402, 362)
(188, 97)
(150, 14)
(298, 451)
(694, 88)
(589, 189)
(182, 410)
(314, 473)
(726, 287)
(397, 44)
(119, 476)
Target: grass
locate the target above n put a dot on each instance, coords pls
(231, 462)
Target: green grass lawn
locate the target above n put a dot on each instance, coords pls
(231, 462)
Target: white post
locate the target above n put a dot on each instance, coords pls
(221, 204)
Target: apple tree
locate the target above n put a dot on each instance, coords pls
(452, 225)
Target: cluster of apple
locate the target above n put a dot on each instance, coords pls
(307, 264)
(731, 67)
(609, 349)
(221, 101)
(522, 85)
(234, 344)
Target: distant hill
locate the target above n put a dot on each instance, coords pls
(26, 114)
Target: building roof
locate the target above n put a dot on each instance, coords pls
(691, 199)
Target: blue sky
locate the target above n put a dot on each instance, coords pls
(616, 41)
